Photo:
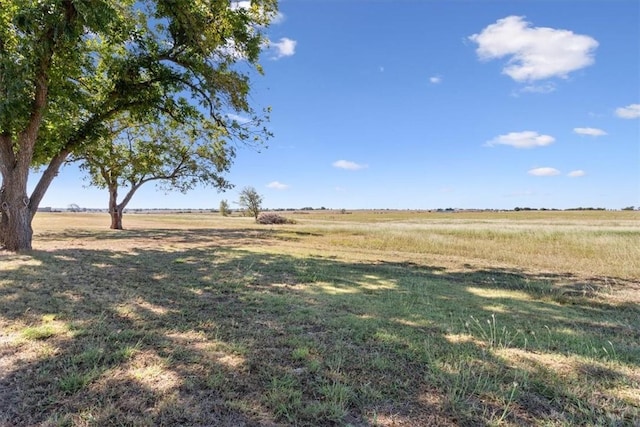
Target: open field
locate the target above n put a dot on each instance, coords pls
(364, 319)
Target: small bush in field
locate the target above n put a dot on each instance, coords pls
(273, 218)
(224, 208)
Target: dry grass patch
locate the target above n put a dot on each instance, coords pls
(219, 321)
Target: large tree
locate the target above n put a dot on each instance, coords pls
(68, 68)
(175, 155)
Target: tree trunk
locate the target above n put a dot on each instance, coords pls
(114, 209)
(116, 219)
(15, 226)
(16, 209)
(15, 220)
(15, 212)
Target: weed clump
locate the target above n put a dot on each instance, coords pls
(273, 218)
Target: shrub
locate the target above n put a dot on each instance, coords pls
(273, 218)
(224, 208)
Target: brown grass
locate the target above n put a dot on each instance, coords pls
(371, 320)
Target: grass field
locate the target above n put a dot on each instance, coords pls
(365, 319)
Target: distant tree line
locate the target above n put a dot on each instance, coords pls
(553, 209)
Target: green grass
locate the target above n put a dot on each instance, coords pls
(217, 321)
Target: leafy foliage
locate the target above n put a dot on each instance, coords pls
(177, 156)
(224, 208)
(250, 201)
(69, 68)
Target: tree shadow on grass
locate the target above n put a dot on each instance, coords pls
(217, 335)
(231, 236)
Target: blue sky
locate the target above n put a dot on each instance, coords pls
(435, 104)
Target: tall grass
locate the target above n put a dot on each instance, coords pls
(591, 247)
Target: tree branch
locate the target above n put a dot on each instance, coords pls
(49, 41)
(129, 195)
(196, 88)
(76, 140)
(45, 180)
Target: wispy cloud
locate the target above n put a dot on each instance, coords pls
(240, 119)
(629, 112)
(576, 174)
(276, 185)
(542, 88)
(589, 131)
(544, 172)
(348, 165)
(435, 80)
(525, 139)
(283, 48)
(535, 53)
(278, 18)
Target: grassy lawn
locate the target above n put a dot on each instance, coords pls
(363, 319)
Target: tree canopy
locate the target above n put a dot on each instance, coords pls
(174, 155)
(68, 68)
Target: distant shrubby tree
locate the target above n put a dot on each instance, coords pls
(224, 208)
(74, 208)
(629, 208)
(250, 201)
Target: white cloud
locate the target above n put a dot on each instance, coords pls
(230, 50)
(235, 5)
(589, 131)
(629, 112)
(276, 185)
(544, 172)
(346, 164)
(278, 18)
(435, 80)
(535, 53)
(543, 88)
(577, 173)
(284, 47)
(525, 139)
(240, 119)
